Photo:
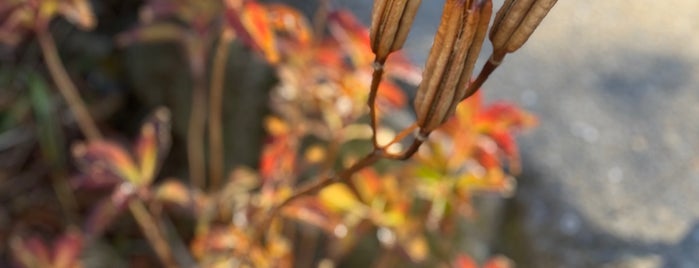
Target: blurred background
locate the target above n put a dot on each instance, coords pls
(611, 175)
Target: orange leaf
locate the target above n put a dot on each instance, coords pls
(67, 250)
(352, 36)
(253, 25)
(175, 192)
(391, 94)
(465, 261)
(499, 262)
(291, 22)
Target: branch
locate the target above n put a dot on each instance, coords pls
(66, 87)
(218, 75)
(152, 232)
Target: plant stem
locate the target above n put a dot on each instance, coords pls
(490, 66)
(197, 117)
(218, 74)
(152, 232)
(317, 185)
(66, 87)
(89, 128)
(373, 92)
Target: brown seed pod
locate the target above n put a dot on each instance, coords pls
(450, 63)
(391, 21)
(516, 21)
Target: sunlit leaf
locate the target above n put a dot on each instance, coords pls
(291, 23)
(67, 250)
(417, 248)
(253, 24)
(352, 36)
(499, 262)
(495, 180)
(34, 252)
(392, 95)
(153, 144)
(338, 197)
(77, 12)
(368, 183)
(18, 20)
(465, 261)
(221, 240)
(315, 154)
(30, 252)
(175, 192)
(108, 157)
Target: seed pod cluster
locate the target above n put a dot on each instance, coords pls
(390, 24)
(456, 46)
(515, 22)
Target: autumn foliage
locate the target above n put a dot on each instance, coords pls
(320, 195)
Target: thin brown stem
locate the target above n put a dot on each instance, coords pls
(373, 92)
(412, 149)
(87, 125)
(197, 118)
(66, 87)
(317, 185)
(401, 135)
(490, 66)
(152, 232)
(218, 75)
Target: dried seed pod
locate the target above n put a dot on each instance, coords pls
(516, 21)
(450, 63)
(390, 24)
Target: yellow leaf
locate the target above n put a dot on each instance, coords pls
(315, 154)
(338, 197)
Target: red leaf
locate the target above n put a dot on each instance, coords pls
(499, 262)
(352, 36)
(465, 261)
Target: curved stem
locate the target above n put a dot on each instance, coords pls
(152, 232)
(218, 75)
(490, 66)
(66, 87)
(315, 186)
(197, 118)
(373, 92)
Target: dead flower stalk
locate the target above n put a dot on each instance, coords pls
(451, 60)
(390, 24)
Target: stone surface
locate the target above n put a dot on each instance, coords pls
(611, 175)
